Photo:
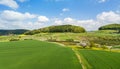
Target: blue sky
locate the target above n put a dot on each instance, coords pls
(34, 14)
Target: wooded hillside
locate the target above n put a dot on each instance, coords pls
(111, 27)
(58, 29)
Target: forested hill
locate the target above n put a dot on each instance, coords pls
(58, 29)
(17, 31)
(111, 27)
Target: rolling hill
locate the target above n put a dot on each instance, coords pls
(58, 29)
(111, 27)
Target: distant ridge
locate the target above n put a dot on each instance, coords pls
(16, 31)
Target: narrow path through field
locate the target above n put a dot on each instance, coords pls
(76, 53)
(80, 60)
(55, 43)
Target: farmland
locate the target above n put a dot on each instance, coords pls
(36, 52)
(32, 54)
(59, 34)
(60, 50)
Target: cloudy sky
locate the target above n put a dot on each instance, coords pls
(34, 14)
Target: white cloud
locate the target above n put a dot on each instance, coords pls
(102, 1)
(103, 18)
(69, 20)
(87, 24)
(65, 9)
(15, 16)
(22, 0)
(58, 22)
(20, 25)
(10, 3)
(16, 20)
(27, 25)
(107, 17)
(43, 19)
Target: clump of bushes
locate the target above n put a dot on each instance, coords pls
(70, 40)
(104, 47)
(14, 39)
(28, 39)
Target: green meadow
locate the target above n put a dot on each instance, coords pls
(32, 54)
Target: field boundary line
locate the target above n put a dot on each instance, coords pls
(84, 66)
(58, 44)
(55, 43)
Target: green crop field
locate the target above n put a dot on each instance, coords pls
(29, 53)
(101, 59)
(32, 54)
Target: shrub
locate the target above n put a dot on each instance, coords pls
(28, 39)
(92, 44)
(104, 47)
(70, 40)
(13, 39)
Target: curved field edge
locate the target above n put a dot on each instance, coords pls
(32, 54)
(101, 59)
(84, 63)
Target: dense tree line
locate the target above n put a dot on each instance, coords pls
(58, 29)
(17, 31)
(111, 27)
